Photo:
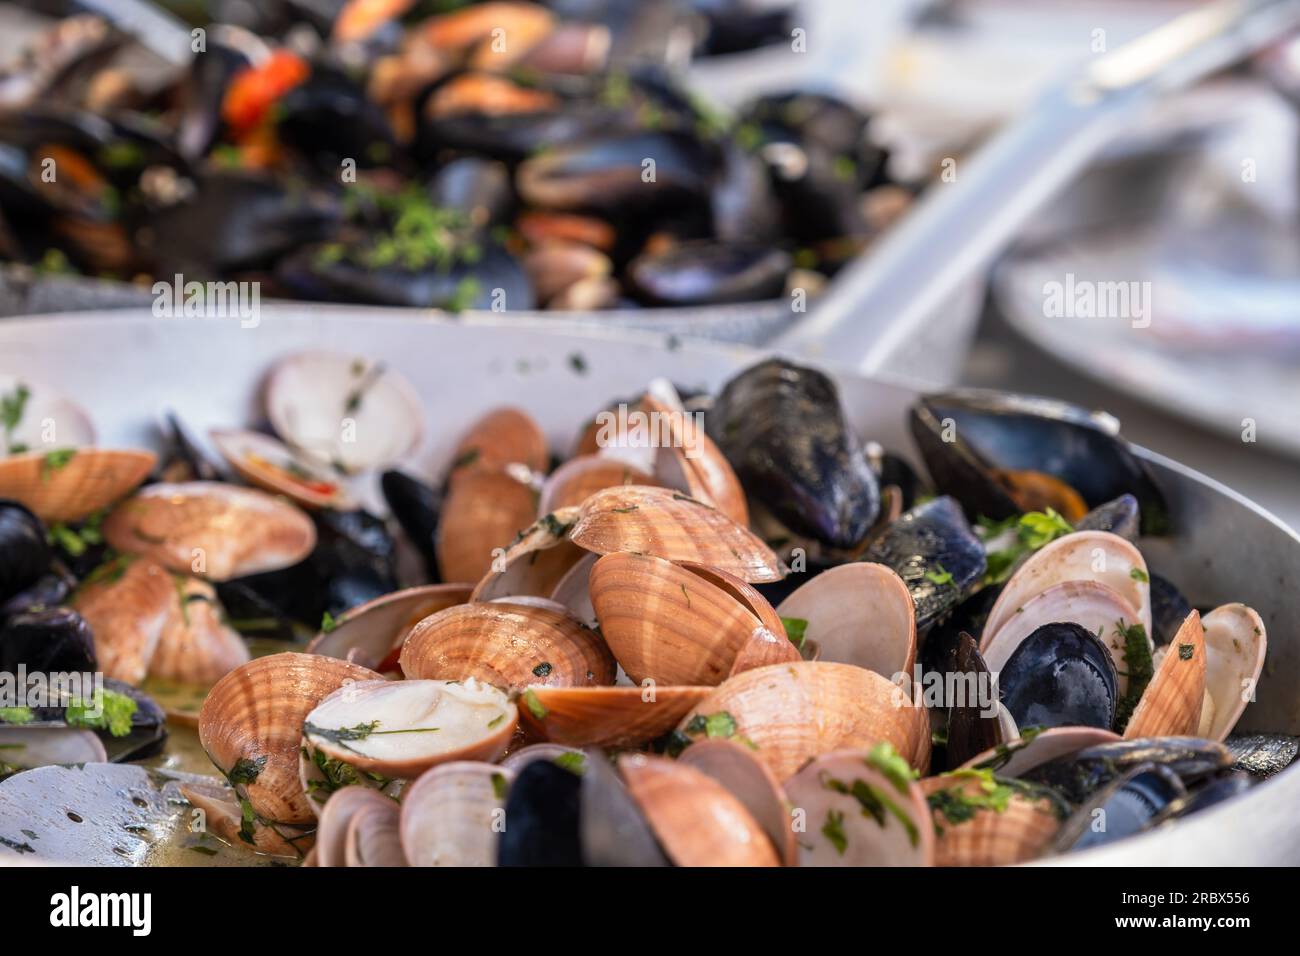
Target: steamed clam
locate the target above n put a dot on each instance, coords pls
(663, 653)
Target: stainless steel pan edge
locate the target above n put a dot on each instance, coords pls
(127, 366)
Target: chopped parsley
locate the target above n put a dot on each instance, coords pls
(1032, 531)
(246, 771)
(16, 715)
(833, 830)
(12, 405)
(1137, 574)
(115, 713)
(56, 460)
(939, 575)
(1185, 651)
(1138, 668)
(572, 761)
(535, 706)
(796, 629)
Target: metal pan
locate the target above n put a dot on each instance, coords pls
(126, 367)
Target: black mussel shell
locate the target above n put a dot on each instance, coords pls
(1169, 609)
(416, 506)
(782, 428)
(1129, 805)
(542, 818)
(254, 615)
(895, 471)
(236, 220)
(973, 725)
(1212, 792)
(933, 549)
(1122, 516)
(148, 726)
(53, 640)
(184, 460)
(24, 553)
(477, 188)
(1061, 675)
(705, 272)
(1262, 754)
(1078, 775)
(330, 119)
(965, 435)
(614, 830)
(49, 590)
(939, 652)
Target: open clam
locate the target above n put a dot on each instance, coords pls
(399, 729)
(536, 562)
(197, 647)
(70, 484)
(372, 634)
(251, 726)
(270, 465)
(673, 526)
(1082, 556)
(1015, 758)
(332, 833)
(510, 645)
(859, 613)
(750, 781)
(129, 603)
(1172, 702)
(213, 530)
(39, 417)
(453, 814)
(1096, 607)
(697, 820)
(860, 808)
(794, 712)
(1235, 644)
(344, 411)
(984, 820)
(669, 624)
(607, 716)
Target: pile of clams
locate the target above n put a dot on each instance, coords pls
(728, 632)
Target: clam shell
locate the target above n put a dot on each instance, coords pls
(762, 649)
(673, 526)
(344, 411)
(510, 645)
(859, 613)
(750, 781)
(693, 462)
(374, 838)
(371, 633)
(270, 465)
(1171, 704)
(481, 517)
(197, 647)
(1022, 831)
(93, 478)
(453, 814)
(336, 819)
(257, 711)
(214, 530)
(579, 478)
(223, 817)
(501, 438)
(129, 605)
(1235, 645)
(1082, 556)
(536, 563)
(607, 716)
(665, 623)
(698, 822)
(45, 406)
(415, 725)
(1092, 605)
(573, 591)
(612, 830)
(794, 712)
(835, 829)
(1015, 758)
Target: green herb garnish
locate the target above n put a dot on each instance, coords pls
(796, 629)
